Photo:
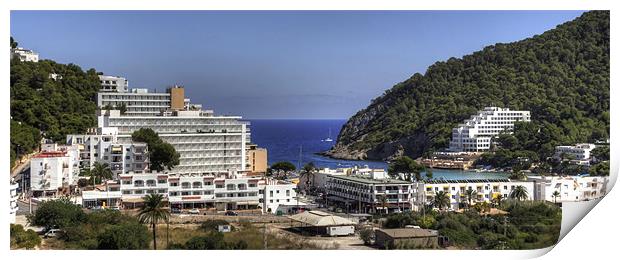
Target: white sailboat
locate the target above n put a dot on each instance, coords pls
(329, 137)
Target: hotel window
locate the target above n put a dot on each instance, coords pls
(126, 192)
(270, 193)
(185, 193)
(219, 186)
(161, 181)
(161, 191)
(174, 184)
(127, 182)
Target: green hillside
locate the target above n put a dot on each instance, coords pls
(561, 76)
(44, 107)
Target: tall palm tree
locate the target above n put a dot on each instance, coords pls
(470, 194)
(307, 173)
(384, 202)
(441, 200)
(102, 170)
(519, 193)
(152, 212)
(555, 195)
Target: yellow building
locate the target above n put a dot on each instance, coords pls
(256, 159)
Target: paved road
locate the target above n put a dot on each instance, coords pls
(24, 209)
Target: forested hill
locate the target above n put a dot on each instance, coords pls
(561, 76)
(45, 107)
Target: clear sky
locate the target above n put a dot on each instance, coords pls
(271, 64)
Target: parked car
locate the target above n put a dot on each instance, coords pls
(194, 211)
(230, 213)
(115, 208)
(51, 233)
(175, 210)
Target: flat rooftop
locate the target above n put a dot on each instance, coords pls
(369, 180)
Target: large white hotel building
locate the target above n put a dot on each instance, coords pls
(206, 143)
(477, 132)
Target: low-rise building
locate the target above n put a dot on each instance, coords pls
(226, 191)
(50, 171)
(365, 195)
(24, 54)
(406, 238)
(579, 153)
(485, 190)
(569, 188)
(278, 197)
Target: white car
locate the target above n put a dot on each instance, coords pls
(52, 233)
(194, 211)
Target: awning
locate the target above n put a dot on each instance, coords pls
(133, 200)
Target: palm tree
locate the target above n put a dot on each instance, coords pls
(102, 170)
(555, 195)
(441, 200)
(88, 172)
(470, 194)
(308, 172)
(519, 193)
(384, 202)
(152, 212)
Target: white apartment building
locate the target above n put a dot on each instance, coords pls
(113, 84)
(320, 178)
(477, 132)
(569, 188)
(141, 102)
(104, 146)
(206, 143)
(13, 201)
(361, 194)
(50, 171)
(226, 191)
(277, 196)
(24, 54)
(580, 152)
(486, 190)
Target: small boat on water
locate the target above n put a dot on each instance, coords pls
(329, 137)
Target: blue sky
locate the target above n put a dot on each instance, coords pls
(272, 64)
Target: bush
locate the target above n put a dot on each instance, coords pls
(21, 238)
(367, 235)
(128, 235)
(58, 213)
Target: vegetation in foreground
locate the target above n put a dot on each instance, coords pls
(528, 225)
(111, 229)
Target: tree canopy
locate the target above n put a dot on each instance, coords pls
(51, 108)
(561, 76)
(162, 155)
(406, 166)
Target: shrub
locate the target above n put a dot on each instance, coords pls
(21, 238)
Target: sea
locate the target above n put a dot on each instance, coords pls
(299, 141)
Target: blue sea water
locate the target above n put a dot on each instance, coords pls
(283, 139)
